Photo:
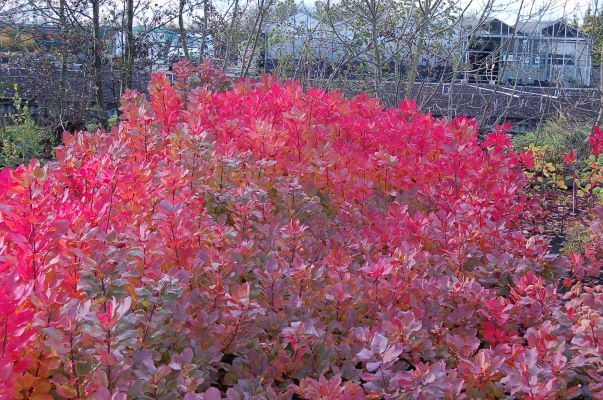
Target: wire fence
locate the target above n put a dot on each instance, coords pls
(525, 106)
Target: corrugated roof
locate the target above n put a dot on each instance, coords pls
(532, 27)
(549, 28)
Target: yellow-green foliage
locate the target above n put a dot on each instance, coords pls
(22, 140)
(545, 173)
(94, 125)
(20, 143)
(577, 236)
(549, 145)
(556, 138)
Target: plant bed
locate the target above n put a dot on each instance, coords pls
(269, 243)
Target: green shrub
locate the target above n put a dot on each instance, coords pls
(93, 126)
(577, 237)
(23, 139)
(556, 138)
(20, 143)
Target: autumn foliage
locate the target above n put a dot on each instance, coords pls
(269, 243)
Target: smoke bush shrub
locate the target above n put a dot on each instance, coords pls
(270, 243)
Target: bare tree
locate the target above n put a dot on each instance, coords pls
(182, 29)
(230, 32)
(263, 8)
(97, 48)
(129, 45)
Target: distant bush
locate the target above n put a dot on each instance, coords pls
(112, 121)
(562, 155)
(22, 140)
(555, 138)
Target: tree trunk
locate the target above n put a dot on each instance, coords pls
(206, 8)
(600, 113)
(181, 29)
(259, 22)
(128, 46)
(98, 64)
(63, 77)
(414, 66)
(425, 9)
(229, 34)
(376, 52)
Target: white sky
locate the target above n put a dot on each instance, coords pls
(505, 10)
(544, 10)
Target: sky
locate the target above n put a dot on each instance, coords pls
(505, 10)
(544, 10)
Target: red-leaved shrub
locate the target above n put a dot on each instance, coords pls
(270, 243)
